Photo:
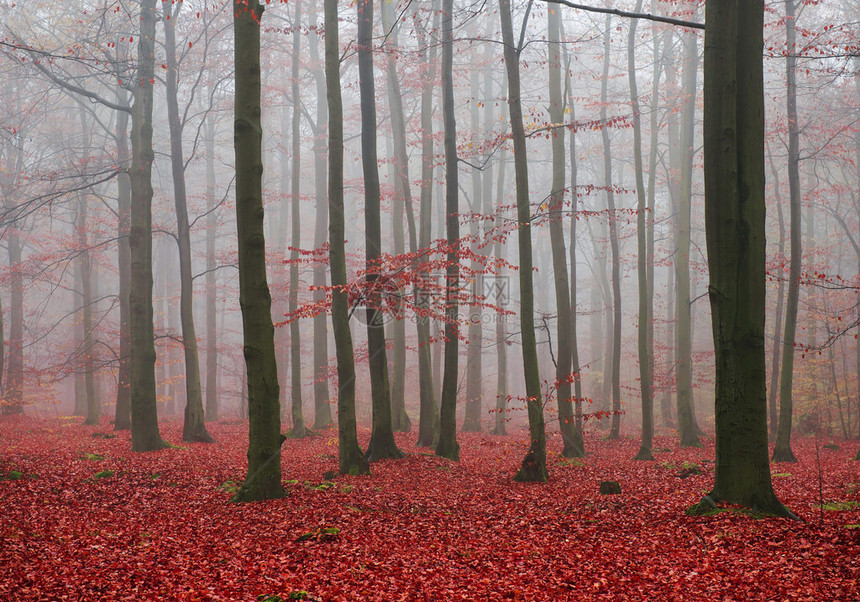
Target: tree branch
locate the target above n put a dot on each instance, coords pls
(624, 13)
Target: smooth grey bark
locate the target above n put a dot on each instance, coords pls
(735, 233)
(263, 480)
(322, 397)
(93, 408)
(652, 206)
(501, 419)
(447, 445)
(402, 200)
(194, 425)
(382, 444)
(683, 328)
(428, 420)
(615, 367)
(773, 389)
(475, 332)
(576, 368)
(782, 447)
(80, 407)
(211, 277)
(533, 466)
(122, 416)
(351, 459)
(299, 430)
(572, 445)
(14, 383)
(645, 307)
(145, 435)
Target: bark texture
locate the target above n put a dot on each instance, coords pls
(263, 480)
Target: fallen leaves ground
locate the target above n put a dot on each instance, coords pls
(157, 526)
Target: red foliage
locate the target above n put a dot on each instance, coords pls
(423, 528)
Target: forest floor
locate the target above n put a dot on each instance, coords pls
(84, 518)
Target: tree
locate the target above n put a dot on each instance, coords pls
(382, 443)
(13, 388)
(447, 445)
(574, 173)
(85, 265)
(572, 439)
(299, 429)
(322, 401)
(402, 203)
(211, 276)
(782, 448)
(684, 196)
(615, 367)
(351, 459)
(263, 480)
(428, 418)
(122, 417)
(645, 309)
(735, 233)
(193, 426)
(533, 466)
(144, 414)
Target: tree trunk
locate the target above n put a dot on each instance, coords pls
(299, 430)
(475, 332)
(211, 277)
(645, 361)
(615, 376)
(773, 414)
(572, 445)
(322, 400)
(652, 205)
(428, 421)
(13, 391)
(683, 327)
(782, 448)
(447, 445)
(533, 467)
(501, 420)
(122, 417)
(193, 426)
(402, 199)
(144, 414)
(382, 443)
(263, 480)
(735, 232)
(576, 369)
(87, 343)
(80, 407)
(351, 459)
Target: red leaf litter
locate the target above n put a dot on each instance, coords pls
(158, 526)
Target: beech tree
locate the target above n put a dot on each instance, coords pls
(447, 445)
(144, 414)
(782, 448)
(643, 330)
(533, 466)
(571, 435)
(193, 426)
(401, 204)
(263, 480)
(299, 430)
(428, 419)
(322, 400)
(351, 460)
(734, 227)
(612, 217)
(382, 443)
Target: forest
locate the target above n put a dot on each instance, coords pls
(430, 300)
